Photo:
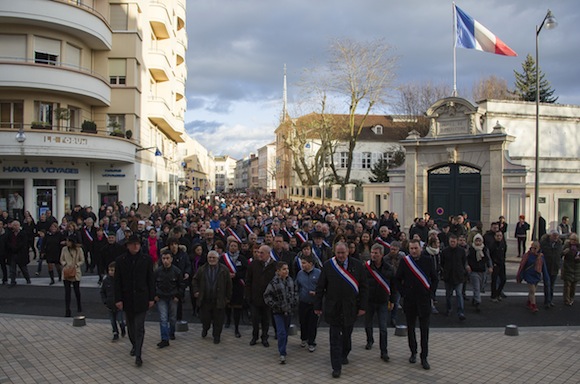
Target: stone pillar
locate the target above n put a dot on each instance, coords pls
(350, 192)
(59, 211)
(29, 198)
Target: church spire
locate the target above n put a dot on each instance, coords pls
(284, 100)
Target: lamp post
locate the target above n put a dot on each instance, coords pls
(549, 22)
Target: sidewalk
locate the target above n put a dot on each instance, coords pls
(49, 350)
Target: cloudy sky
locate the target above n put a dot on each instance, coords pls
(238, 48)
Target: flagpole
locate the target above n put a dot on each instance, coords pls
(454, 52)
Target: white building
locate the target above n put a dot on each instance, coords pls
(198, 167)
(91, 101)
(267, 168)
(225, 168)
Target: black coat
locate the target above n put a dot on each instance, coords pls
(134, 282)
(238, 282)
(17, 246)
(453, 262)
(257, 279)
(414, 293)
(377, 293)
(51, 247)
(341, 302)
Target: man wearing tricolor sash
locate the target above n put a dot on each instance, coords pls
(379, 275)
(344, 287)
(414, 277)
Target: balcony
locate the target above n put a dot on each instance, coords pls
(80, 21)
(66, 144)
(79, 83)
(159, 65)
(160, 114)
(179, 53)
(180, 12)
(179, 87)
(159, 20)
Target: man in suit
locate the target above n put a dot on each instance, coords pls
(135, 292)
(415, 276)
(344, 287)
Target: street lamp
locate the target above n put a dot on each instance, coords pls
(549, 22)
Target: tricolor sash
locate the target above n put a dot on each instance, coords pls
(220, 232)
(382, 242)
(346, 275)
(273, 233)
(248, 229)
(298, 263)
(317, 257)
(417, 271)
(88, 233)
(288, 233)
(229, 263)
(273, 255)
(379, 278)
(326, 243)
(234, 234)
(301, 236)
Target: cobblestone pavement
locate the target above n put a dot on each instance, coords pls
(50, 350)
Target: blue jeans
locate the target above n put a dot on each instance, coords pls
(167, 317)
(282, 326)
(116, 316)
(382, 312)
(457, 288)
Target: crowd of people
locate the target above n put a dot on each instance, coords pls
(272, 259)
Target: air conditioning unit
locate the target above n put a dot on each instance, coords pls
(112, 188)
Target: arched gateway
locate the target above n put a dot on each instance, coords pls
(453, 189)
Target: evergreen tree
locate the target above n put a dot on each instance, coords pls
(526, 83)
(380, 171)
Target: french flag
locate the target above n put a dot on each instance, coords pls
(472, 35)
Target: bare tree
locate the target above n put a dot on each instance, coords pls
(415, 98)
(360, 75)
(492, 87)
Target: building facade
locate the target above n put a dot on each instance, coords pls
(91, 102)
(225, 168)
(267, 168)
(198, 164)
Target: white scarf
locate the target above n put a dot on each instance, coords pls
(478, 251)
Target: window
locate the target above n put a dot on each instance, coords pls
(378, 129)
(11, 114)
(73, 57)
(119, 17)
(46, 51)
(388, 156)
(116, 122)
(117, 71)
(343, 159)
(44, 112)
(13, 47)
(366, 160)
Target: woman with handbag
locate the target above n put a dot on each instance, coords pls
(72, 258)
(532, 270)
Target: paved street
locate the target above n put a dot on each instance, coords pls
(48, 350)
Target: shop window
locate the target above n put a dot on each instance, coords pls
(70, 194)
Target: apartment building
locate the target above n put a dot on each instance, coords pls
(92, 101)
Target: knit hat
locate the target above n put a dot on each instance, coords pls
(478, 236)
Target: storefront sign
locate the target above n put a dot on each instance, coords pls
(113, 173)
(65, 140)
(8, 169)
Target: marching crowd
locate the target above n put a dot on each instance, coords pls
(274, 258)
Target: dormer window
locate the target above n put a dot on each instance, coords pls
(377, 129)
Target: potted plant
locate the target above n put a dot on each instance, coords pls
(116, 129)
(129, 134)
(89, 126)
(61, 114)
(40, 125)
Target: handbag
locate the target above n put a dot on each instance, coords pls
(69, 273)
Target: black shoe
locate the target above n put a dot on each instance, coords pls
(502, 295)
(132, 353)
(115, 337)
(238, 335)
(28, 281)
(172, 337)
(253, 341)
(51, 282)
(265, 343)
(413, 358)
(336, 374)
(67, 313)
(138, 362)
(344, 360)
(369, 345)
(204, 333)
(216, 340)
(226, 325)
(393, 323)
(123, 333)
(425, 364)
(163, 344)
(461, 316)
(385, 357)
